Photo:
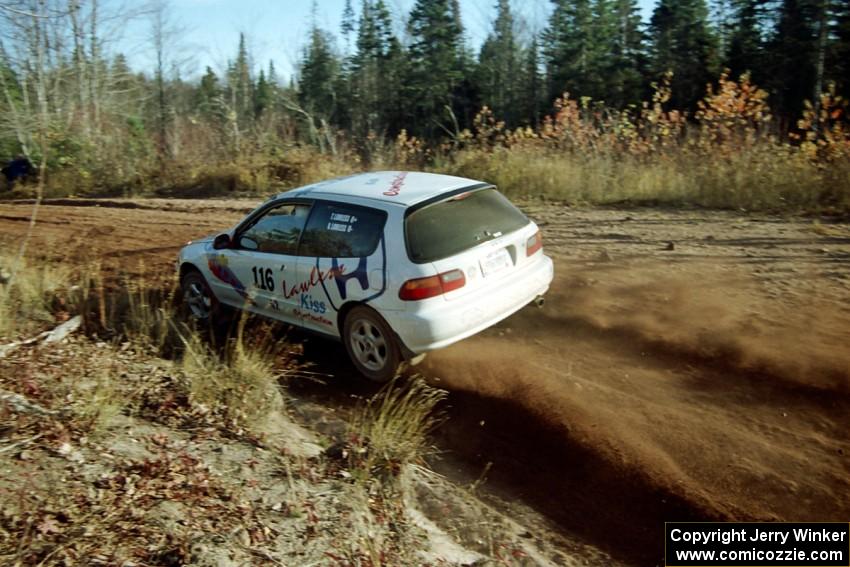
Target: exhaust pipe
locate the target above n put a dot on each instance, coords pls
(539, 301)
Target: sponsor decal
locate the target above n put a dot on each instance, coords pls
(310, 316)
(317, 276)
(218, 266)
(341, 222)
(395, 186)
(309, 304)
(361, 274)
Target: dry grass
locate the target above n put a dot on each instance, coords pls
(729, 155)
(392, 429)
(37, 290)
(230, 382)
(762, 179)
(98, 398)
(239, 383)
(150, 317)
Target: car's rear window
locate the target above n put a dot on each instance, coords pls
(340, 230)
(449, 227)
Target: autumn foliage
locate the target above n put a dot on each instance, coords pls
(729, 153)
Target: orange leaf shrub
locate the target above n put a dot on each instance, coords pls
(825, 130)
(733, 116)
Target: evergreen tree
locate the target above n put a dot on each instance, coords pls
(531, 86)
(627, 67)
(838, 56)
(746, 44)
(436, 62)
(594, 48)
(499, 67)
(721, 20)
(393, 68)
(683, 43)
(208, 93)
(365, 80)
(241, 82)
(262, 95)
(271, 76)
(319, 74)
(572, 64)
(347, 25)
(11, 108)
(791, 58)
(375, 77)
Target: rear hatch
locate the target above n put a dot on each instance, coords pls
(478, 232)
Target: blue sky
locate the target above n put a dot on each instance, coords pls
(277, 29)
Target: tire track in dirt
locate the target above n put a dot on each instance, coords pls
(137, 239)
(622, 405)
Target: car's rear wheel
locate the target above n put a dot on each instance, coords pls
(371, 344)
(198, 299)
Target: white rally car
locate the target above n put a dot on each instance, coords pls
(394, 263)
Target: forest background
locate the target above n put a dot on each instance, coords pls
(731, 104)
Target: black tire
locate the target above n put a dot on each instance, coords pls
(198, 300)
(371, 344)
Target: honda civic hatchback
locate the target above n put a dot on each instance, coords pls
(394, 264)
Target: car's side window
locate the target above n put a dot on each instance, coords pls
(339, 230)
(277, 231)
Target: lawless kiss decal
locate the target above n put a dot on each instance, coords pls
(317, 277)
(217, 263)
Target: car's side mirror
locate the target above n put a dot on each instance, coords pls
(221, 241)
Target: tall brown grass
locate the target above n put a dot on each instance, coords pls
(728, 155)
(32, 293)
(239, 383)
(392, 429)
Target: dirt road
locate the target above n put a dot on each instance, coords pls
(687, 364)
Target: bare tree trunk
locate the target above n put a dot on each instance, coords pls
(819, 64)
(80, 65)
(38, 18)
(158, 35)
(94, 55)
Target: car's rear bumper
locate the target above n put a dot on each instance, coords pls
(441, 323)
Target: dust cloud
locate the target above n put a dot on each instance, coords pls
(696, 381)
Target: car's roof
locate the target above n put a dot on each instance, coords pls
(405, 188)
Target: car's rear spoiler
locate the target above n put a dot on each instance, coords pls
(446, 196)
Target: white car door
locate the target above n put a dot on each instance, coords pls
(342, 257)
(254, 272)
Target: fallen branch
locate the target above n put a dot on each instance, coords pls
(22, 405)
(22, 443)
(52, 336)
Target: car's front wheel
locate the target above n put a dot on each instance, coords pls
(371, 344)
(198, 299)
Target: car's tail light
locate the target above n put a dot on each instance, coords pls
(534, 244)
(432, 286)
(421, 288)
